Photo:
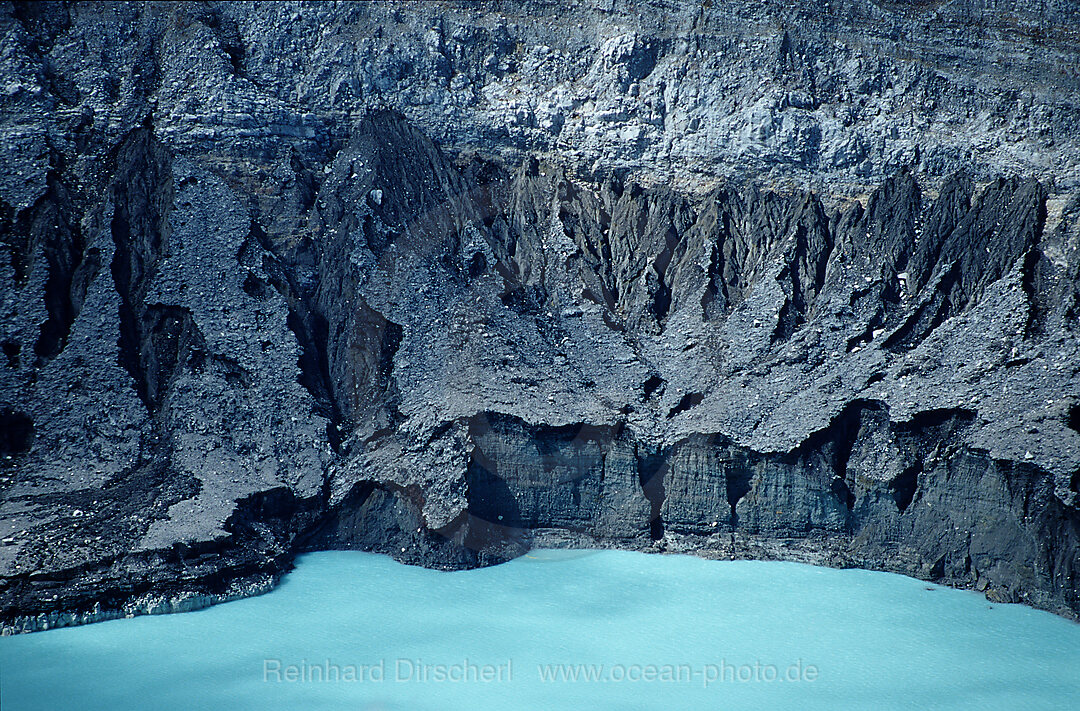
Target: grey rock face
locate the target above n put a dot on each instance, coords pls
(448, 281)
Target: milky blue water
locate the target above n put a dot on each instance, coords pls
(350, 630)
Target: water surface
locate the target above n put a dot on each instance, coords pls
(350, 630)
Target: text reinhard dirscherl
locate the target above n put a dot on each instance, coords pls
(404, 670)
(400, 670)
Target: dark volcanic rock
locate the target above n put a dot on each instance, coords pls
(742, 280)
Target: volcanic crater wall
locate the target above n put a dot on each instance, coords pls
(447, 280)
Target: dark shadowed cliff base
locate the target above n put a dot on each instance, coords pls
(449, 280)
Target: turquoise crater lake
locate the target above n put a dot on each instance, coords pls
(561, 630)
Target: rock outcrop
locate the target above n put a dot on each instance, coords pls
(447, 281)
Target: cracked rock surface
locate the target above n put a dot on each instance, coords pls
(449, 280)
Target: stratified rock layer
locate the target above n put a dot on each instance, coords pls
(646, 291)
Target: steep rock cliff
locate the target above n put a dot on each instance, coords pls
(739, 279)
